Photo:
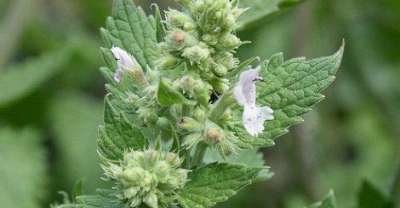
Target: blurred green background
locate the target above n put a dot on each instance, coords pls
(51, 100)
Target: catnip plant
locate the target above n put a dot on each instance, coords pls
(184, 117)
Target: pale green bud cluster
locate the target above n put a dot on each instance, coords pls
(147, 177)
(203, 38)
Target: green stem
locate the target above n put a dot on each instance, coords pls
(199, 154)
(222, 104)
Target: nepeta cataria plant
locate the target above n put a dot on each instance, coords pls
(182, 111)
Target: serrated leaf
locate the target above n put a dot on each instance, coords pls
(260, 10)
(23, 168)
(22, 79)
(215, 183)
(292, 87)
(168, 96)
(131, 29)
(105, 199)
(118, 134)
(74, 120)
(371, 197)
(328, 202)
(248, 157)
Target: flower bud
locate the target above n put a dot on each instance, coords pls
(163, 123)
(147, 176)
(220, 70)
(214, 135)
(180, 20)
(147, 114)
(167, 61)
(179, 39)
(151, 200)
(199, 113)
(197, 53)
(189, 124)
(230, 41)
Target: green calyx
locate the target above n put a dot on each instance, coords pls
(147, 177)
(203, 38)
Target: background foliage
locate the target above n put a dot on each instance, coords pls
(51, 100)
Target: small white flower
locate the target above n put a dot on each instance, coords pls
(245, 94)
(125, 62)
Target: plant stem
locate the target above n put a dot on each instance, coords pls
(199, 154)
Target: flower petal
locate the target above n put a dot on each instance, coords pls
(254, 118)
(125, 61)
(245, 90)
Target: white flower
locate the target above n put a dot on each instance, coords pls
(125, 62)
(245, 94)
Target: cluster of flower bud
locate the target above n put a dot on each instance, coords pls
(208, 132)
(146, 177)
(203, 37)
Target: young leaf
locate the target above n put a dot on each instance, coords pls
(105, 199)
(215, 183)
(23, 170)
(370, 197)
(292, 87)
(167, 96)
(328, 202)
(131, 29)
(118, 134)
(259, 10)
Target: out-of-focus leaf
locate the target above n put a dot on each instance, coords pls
(370, 197)
(74, 120)
(259, 10)
(328, 202)
(22, 79)
(23, 169)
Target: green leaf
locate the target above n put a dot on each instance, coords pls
(292, 87)
(215, 183)
(371, 197)
(260, 10)
(248, 157)
(22, 79)
(328, 202)
(74, 120)
(168, 96)
(131, 29)
(118, 134)
(23, 169)
(105, 199)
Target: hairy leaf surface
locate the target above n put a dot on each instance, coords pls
(215, 183)
(292, 87)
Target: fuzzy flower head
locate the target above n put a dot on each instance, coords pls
(146, 177)
(125, 62)
(245, 94)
